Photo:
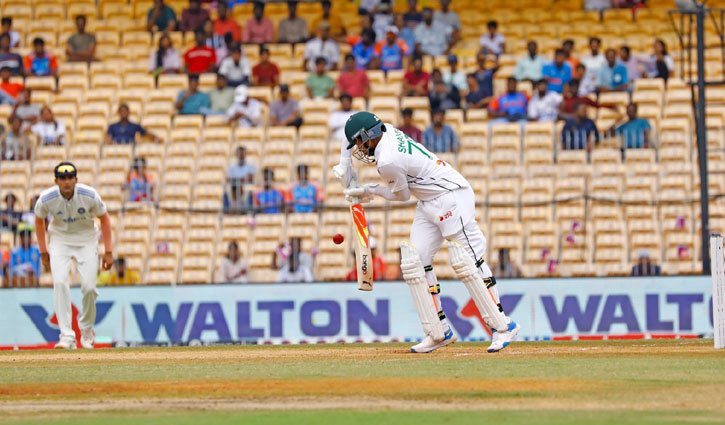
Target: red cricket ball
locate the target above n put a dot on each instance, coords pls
(338, 238)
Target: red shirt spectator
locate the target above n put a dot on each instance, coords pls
(415, 82)
(12, 89)
(258, 29)
(265, 73)
(353, 81)
(200, 59)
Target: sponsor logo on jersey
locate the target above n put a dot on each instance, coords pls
(81, 210)
(441, 162)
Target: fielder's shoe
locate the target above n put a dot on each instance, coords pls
(66, 344)
(88, 338)
(500, 340)
(429, 344)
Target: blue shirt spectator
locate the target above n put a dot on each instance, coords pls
(636, 131)
(192, 101)
(511, 106)
(25, 257)
(304, 197)
(613, 75)
(440, 137)
(125, 133)
(162, 16)
(484, 76)
(578, 132)
(363, 55)
(9, 59)
(270, 200)
(557, 73)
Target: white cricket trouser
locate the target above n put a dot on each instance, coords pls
(451, 216)
(61, 255)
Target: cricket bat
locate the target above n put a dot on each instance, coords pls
(363, 256)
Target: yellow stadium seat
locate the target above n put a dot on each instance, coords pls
(137, 38)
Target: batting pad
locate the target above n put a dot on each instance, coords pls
(414, 276)
(466, 271)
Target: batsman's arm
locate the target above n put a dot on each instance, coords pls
(385, 192)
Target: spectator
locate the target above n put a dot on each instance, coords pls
(304, 195)
(9, 59)
(368, 6)
(26, 111)
(140, 182)
(440, 137)
(392, 52)
(568, 47)
(448, 17)
(235, 68)
(294, 271)
(571, 97)
(645, 266)
(557, 73)
(49, 130)
(233, 268)
(415, 82)
(224, 25)
(578, 133)
(364, 51)
(630, 62)
(530, 67)
(81, 45)
(635, 132)
(241, 172)
(6, 27)
(337, 29)
(484, 76)
(593, 62)
(408, 127)
(200, 58)
(320, 84)
(269, 199)
(505, 268)
(258, 29)
(192, 101)
(16, 145)
(366, 23)
(246, 111)
(412, 16)
(215, 41)
(25, 257)
(511, 106)
(338, 118)
(405, 33)
(660, 64)
(40, 62)
(292, 29)
(493, 42)
(433, 37)
(124, 131)
(11, 217)
(220, 98)
(585, 86)
(380, 269)
(166, 59)
(454, 77)
(281, 255)
(193, 17)
(9, 88)
(353, 81)
(120, 275)
(28, 216)
(544, 106)
(443, 96)
(324, 47)
(285, 111)
(613, 75)
(383, 19)
(161, 16)
(236, 200)
(265, 73)
(477, 97)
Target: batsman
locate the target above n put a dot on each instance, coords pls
(445, 211)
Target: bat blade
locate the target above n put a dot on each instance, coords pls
(363, 255)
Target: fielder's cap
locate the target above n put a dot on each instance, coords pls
(283, 87)
(391, 28)
(65, 169)
(240, 93)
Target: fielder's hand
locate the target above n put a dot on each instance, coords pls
(45, 260)
(107, 260)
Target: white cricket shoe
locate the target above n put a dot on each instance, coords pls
(501, 340)
(429, 344)
(66, 344)
(88, 338)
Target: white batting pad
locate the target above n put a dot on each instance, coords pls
(466, 271)
(414, 276)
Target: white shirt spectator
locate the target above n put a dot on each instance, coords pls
(230, 272)
(171, 60)
(458, 80)
(433, 39)
(336, 123)
(368, 4)
(493, 45)
(592, 64)
(632, 66)
(235, 71)
(451, 18)
(545, 108)
(328, 49)
(49, 132)
(14, 38)
(302, 274)
(252, 111)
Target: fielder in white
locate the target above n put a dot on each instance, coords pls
(72, 233)
(446, 211)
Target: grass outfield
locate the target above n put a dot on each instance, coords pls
(592, 382)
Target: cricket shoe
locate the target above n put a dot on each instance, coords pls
(501, 340)
(88, 339)
(65, 344)
(429, 344)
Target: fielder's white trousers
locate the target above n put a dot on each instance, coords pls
(451, 216)
(61, 255)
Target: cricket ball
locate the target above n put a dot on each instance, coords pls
(338, 238)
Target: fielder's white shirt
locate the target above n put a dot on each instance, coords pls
(403, 162)
(71, 220)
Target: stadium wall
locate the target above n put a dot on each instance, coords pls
(579, 308)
